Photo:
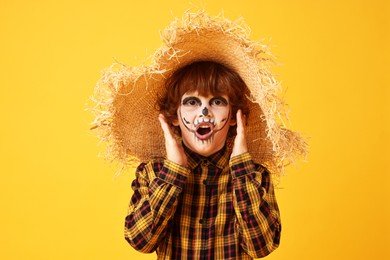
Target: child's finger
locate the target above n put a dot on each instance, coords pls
(240, 121)
(164, 125)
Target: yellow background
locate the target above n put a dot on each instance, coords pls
(60, 201)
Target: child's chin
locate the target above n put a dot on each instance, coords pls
(205, 148)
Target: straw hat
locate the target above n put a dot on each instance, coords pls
(126, 114)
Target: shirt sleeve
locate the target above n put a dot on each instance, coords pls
(255, 205)
(156, 190)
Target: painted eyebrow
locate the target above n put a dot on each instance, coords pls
(185, 100)
(220, 98)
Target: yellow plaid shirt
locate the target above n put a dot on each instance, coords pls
(216, 208)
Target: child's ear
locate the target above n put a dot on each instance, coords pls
(233, 121)
(175, 122)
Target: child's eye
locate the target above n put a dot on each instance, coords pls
(218, 101)
(191, 101)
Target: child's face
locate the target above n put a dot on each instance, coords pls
(204, 122)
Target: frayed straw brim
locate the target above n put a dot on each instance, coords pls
(126, 115)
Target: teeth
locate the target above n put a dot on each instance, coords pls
(203, 120)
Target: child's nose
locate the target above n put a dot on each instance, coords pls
(205, 111)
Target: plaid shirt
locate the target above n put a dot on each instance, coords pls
(215, 208)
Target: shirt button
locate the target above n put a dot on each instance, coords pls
(205, 163)
(201, 221)
(205, 182)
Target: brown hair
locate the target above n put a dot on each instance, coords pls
(206, 77)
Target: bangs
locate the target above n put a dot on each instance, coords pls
(205, 77)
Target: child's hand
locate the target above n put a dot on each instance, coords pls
(175, 151)
(240, 146)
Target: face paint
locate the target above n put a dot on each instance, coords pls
(204, 128)
(205, 111)
(204, 122)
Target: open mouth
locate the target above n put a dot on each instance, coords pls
(204, 131)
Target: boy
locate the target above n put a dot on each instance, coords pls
(202, 191)
(205, 200)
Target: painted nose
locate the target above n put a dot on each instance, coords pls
(205, 111)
